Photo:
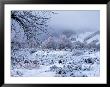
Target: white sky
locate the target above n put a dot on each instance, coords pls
(77, 20)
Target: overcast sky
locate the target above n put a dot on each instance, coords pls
(76, 20)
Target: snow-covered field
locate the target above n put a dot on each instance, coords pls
(56, 63)
(44, 45)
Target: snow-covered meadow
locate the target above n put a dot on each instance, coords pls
(76, 63)
(55, 44)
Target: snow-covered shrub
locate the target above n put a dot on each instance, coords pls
(33, 50)
(62, 60)
(53, 68)
(51, 62)
(78, 45)
(60, 71)
(77, 53)
(64, 42)
(16, 73)
(21, 54)
(21, 59)
(89, 61)
(68, 70)
(96, 60)
(71, 67)
(49, 43)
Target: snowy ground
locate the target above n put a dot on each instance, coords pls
(76, 63)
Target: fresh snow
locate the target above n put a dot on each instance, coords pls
(46, 57)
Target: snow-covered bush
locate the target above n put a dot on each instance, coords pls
(16, 73)
(21, 59)
(64, 42)
(77, 53)
(49, 43)
(78, 45)
(53, 68)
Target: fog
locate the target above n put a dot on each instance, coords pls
(76, 20)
